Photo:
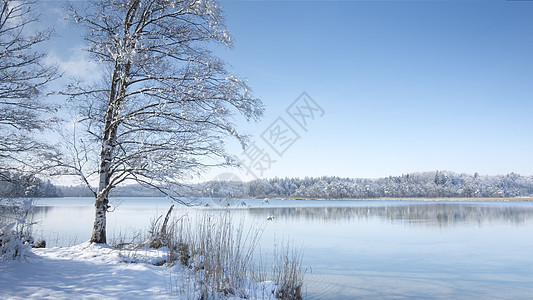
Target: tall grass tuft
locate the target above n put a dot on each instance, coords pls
(288, 274)
(219, 256)
(219, 252)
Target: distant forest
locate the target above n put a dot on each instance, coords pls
(15, 185)
(418, 185)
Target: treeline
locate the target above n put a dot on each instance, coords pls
(427, 184)
(414, 185)
(18, 185)
(130, 190)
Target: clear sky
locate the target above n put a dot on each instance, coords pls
(405, 86)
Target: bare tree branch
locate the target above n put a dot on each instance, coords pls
(23, 79)
(167, 104)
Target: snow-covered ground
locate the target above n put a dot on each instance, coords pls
(89, 271)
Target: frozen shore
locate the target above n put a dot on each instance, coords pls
(91, 271)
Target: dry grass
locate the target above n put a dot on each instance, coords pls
(219, 256)
(219, 252)
(288, 274)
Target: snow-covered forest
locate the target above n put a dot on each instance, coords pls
(416, 185)
(27, 186)
(420, 185)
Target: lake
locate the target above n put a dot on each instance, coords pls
(356, 249)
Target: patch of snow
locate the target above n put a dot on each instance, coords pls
(88, 271)
(93, 271)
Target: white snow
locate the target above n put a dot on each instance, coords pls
(84, 271)
(91, 271)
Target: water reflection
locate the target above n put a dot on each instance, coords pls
(47, 211)
(429, 214)
(358, 249)
(419, 213)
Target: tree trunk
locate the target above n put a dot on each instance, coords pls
(102, 196)
(116, 96)
(99, 227)
(106, 157)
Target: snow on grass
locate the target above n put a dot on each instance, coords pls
(93, 271)
(87, 271)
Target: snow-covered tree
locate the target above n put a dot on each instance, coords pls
(165, 103)
(23, 78)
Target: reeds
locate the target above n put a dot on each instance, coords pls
(219, 256)
(288, 274)
(219, 253)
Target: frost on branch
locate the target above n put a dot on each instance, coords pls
(23, 79)
(167, 104)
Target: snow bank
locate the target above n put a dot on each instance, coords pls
(85, 271)
(91, 271)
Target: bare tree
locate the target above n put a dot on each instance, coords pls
(166, 103)
(23, 78)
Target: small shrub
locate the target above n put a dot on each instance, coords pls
(15, 229)
(39, 244)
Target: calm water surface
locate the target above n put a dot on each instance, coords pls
(358, 249)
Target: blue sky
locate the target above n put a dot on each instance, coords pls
(406, 86)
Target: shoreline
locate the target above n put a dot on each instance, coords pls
(449, 199)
